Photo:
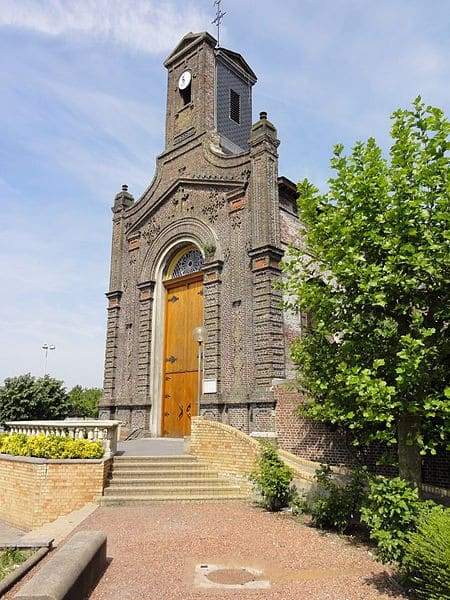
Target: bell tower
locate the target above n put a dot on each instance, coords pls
(209, 89)
(190, 88)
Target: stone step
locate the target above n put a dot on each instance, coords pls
(166, 481)
(150, 471)
(137, 500)
(161, 478)
(142, 479)
(171, 490)
(165, 458)
(155, 464)
(162, 472)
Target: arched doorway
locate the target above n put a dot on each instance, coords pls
(183, 285)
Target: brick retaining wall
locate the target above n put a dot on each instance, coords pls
(35, 491)
(304, 437)
(223, 447)
(318, 442)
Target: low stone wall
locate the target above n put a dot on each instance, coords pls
(233, 453)
(35, 491)
(223, 447)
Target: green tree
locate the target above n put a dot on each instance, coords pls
(375, 279)
(28, 398)
(84, 401)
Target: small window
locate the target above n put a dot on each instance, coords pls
(235, 106)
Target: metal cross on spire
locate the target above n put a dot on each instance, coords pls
(219, 18)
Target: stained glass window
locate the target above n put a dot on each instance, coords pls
(190, 262)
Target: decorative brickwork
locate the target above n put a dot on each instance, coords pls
(35, 491)
(216, 190)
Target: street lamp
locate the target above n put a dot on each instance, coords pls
(200, 336)
(46, 348)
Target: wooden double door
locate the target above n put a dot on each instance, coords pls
(184, 312)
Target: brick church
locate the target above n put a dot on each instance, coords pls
(194, 319)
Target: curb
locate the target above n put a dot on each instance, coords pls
(72, 571)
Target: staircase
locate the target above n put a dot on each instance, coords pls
(141, 479)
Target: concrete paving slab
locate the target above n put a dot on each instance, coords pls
(60, 528)
(9, 534)
(152, 447)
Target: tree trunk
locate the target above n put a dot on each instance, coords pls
(409, 459)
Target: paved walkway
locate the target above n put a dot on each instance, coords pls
(152, 447)
(9, 534)
(155, 550)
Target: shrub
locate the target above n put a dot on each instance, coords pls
(391, 512)
(337, 506)
(25, 398)
(273, 479)
(52, 446)
(427, 556)
(84, 401)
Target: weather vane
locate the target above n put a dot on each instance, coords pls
(219, 18)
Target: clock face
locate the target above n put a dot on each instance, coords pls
(185, 80)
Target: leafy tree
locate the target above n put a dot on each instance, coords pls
(28, 398)
(375, 279)
(84, 401)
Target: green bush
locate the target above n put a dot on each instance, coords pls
(84, 401)
(391, 512)
(273, 479)
(52, 446)
(26, 398)
(337, 506)
(427, 556)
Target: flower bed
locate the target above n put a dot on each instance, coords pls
(51, 447)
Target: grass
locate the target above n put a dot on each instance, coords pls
(10, 559)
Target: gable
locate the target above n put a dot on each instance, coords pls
(188, 41)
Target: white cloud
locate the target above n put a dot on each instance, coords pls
(142, 25)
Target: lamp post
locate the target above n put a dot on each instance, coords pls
(200, 335)
(46, 348)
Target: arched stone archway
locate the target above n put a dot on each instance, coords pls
(177, 233)
(174, 378)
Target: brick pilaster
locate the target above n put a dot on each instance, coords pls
(267, 316)
(146, 298)
(112, 330)
(211, 309)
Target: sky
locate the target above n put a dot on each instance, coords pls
(82, 101)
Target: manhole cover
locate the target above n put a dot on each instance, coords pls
(229, 577)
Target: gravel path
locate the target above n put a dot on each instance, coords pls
(155, 549)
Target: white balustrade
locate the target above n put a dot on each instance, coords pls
(105, 432)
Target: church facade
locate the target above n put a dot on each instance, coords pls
(195, 323)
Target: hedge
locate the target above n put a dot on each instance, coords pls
(427, 556)
(52, 446)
